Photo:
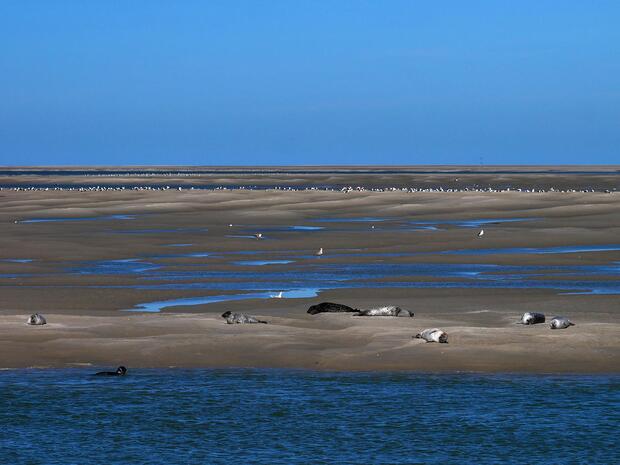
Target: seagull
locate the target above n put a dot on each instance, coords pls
(481, 233)
(230, 225)
(320, 252)
(258, 235)
(277, 296)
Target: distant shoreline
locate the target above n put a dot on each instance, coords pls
(346, 189)
(376, 179)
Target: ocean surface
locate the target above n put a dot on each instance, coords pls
(242, 416)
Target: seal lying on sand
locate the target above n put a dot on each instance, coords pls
(433, 335)
(240, 318)
(531, 318)
(561, 322)
(120, 371)
(329, 307)
(390, 310)
(36, 319)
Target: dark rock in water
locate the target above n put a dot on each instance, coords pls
(329, 307)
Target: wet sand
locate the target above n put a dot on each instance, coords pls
(87, 326)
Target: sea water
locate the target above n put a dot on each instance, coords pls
(240, 416)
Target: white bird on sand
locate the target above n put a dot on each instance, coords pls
(277, 296)
(320, 252)
(258, 235)
(481, 233)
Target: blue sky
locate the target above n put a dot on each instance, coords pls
(315, 82)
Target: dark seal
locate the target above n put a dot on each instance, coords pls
(120, 371)
(329, 307)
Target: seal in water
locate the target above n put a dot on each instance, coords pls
(531, 318)
(36, 320)
(433, 335)
(329, 307)
(120, 371)
(561, 322)
(389, 310)
(240, 318)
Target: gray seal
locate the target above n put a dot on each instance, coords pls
(36, 320)
(433, 335)
(240, 318)
(389, 310)
(330, 307)
(561, 322)
(531, 318)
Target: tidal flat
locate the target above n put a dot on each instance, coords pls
(145, 285)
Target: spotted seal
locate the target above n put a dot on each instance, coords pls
(531, 318)
(433, 335)
(389, 310)
(37, 320)
(330, 307)
(240, 318)
(561, 322)
(120, 371)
